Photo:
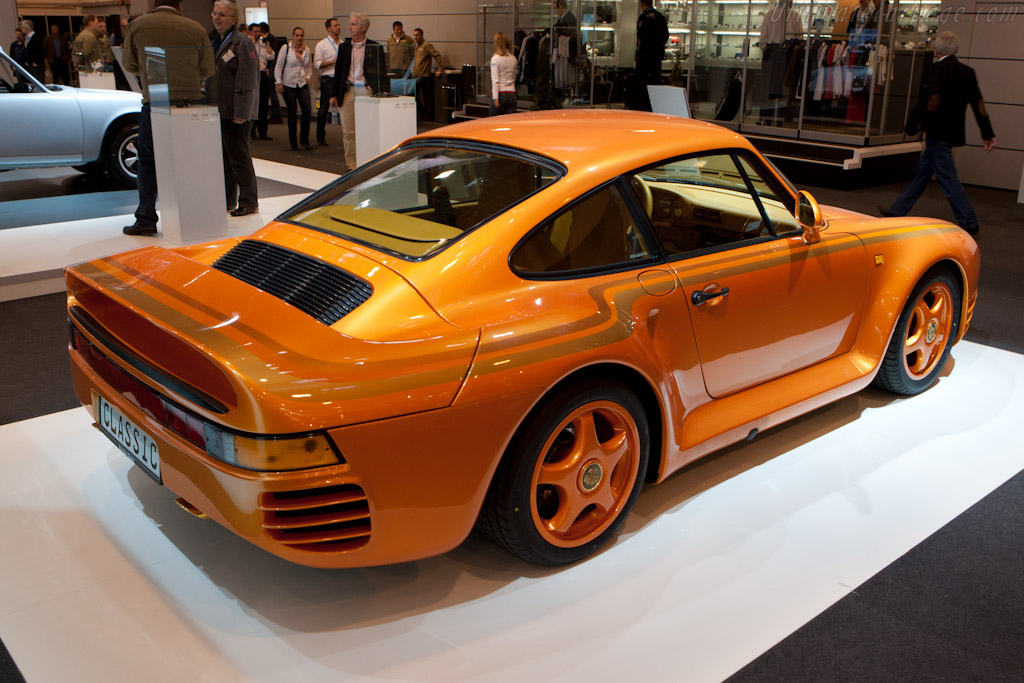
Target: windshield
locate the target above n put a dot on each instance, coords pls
(419, 199)
(11, 79)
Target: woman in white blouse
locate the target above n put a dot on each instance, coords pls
(503, 77)
(292, 72)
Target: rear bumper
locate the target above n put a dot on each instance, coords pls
(410, 487)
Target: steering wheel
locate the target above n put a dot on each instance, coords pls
(643, 191)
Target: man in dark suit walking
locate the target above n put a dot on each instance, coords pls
(948, 87)
(358, 72)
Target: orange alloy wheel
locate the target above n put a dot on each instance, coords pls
(928, 331)
(588, 470)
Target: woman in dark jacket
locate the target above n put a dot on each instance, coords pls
(237, 88)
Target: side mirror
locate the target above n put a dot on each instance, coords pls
(808, 215)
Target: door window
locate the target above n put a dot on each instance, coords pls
(704, 203)
(596, 232)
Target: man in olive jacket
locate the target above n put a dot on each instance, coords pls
(189, 60)
(88, 50)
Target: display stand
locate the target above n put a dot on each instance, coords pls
(189, 172)
(97, 80)
(381, 123)
(667, 99)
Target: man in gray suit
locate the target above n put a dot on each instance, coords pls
(189, 61)
(237, 87)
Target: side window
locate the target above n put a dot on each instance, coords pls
(701, 203)
(778, 212)
(597, 231)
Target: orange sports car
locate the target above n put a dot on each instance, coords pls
(512, 323)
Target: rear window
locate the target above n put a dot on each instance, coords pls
(418, 200)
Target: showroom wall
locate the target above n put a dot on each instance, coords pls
(990, 42)
(449, 24)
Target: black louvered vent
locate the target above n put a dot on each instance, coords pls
(323, 291)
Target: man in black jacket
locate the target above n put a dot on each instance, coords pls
(651, 36)
(946, 90)
(35, 51)
(358, 72)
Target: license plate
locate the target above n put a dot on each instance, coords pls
(136, 443)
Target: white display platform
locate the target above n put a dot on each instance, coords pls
(192, 207)
(97, 80)
(35, 255)
(381, 123)
(105, 579)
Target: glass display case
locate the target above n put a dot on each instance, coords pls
(826, 70)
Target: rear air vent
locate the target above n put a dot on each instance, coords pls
(330, 519)
(321, 290)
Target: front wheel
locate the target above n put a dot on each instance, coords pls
(923, 336)
(570, 477)
(121, 156)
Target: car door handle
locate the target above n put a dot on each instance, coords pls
(701, 297)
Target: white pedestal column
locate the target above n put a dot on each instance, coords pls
(381, 123)
(97, 80)
(189, 174)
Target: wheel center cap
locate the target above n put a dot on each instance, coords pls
(933, 330)
(591, 477)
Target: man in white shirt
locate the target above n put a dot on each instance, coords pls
(324, 58)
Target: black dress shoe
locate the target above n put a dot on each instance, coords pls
(306, 147)
(295, 148)
(265, 137)
(972, 231)
(322, 143)
(143, 230)
(884, 210)
(245, 211)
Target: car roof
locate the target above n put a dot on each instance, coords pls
(593, 138)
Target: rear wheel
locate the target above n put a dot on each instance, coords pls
(923, 336)
(121, 156)
(570, 477)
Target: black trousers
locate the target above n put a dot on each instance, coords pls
(239, 176)
(145, 215)
(59, 69)
(297, 98)
(260, 126)
(326, 90)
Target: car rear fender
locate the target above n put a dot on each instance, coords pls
(242, 357)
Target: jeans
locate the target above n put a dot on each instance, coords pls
(301, 97)
(146, 168)
(508, 102)
(937, 159)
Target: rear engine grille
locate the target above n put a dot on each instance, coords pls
(330, 519)
(319, 289)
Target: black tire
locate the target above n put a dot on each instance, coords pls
(923, 336)
(121, 157)
(593, 437)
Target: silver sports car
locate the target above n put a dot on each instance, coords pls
(52, 125)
